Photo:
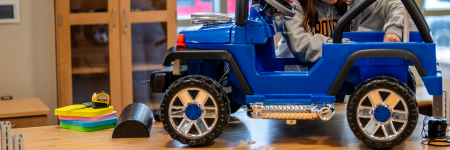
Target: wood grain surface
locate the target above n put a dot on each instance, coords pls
(24, 122)
(22, 108)
(316, 134)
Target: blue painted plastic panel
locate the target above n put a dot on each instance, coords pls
(253, 50)
(369, 71)
(258, 28)
(320, 77)
(377, 36)
(238, 35)
(208, 34)
(434, 83)
(291, 98)
(424, 51)
(256, 32)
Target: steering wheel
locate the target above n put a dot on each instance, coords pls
(285, 6)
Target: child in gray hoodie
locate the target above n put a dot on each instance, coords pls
(306, 46)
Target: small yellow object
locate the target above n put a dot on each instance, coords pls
(101, 97)
(82, 111)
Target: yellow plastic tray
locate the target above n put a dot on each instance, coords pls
(81, 111)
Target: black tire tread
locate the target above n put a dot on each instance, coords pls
(409, 99)
(411, 80)
(219, 88)
(221, 98)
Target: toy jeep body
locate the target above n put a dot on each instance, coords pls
(219, 66)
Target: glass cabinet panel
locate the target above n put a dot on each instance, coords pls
(88, 6)
(90, 61)
(148, 46)
(112, 46)
(147, 5)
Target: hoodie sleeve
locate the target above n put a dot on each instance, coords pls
(395, 14)
(384, 15)
(305, 46)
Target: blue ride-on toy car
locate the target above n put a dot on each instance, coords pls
(222, 64)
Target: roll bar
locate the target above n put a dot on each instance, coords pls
(410, 5)
(241, 12)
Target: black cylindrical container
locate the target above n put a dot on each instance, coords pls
(437, 129)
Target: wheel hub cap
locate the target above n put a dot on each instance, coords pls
(193, 112)
(382, 114)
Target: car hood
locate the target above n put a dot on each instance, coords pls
(208, 34)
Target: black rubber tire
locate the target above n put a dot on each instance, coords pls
(411, 80)
(388, 83)
(209, 81)
(205, 84)
(233, 105)
(219, 88)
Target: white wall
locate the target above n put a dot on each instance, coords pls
(28, 55)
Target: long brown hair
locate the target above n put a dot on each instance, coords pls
(310, 11)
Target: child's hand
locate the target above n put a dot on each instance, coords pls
(391, 37)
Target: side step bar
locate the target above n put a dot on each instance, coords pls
(291, 112)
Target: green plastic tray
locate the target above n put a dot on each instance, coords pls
(87, 129)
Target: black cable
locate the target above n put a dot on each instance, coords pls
(429, 142)
(425, 123)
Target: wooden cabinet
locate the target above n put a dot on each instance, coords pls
(110, 45)
(24, 112)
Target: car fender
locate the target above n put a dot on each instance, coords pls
(373, 53)
(191, 53)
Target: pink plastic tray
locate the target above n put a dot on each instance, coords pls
(89, 119)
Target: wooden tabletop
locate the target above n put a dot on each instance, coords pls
(22, 108)
(316, 134)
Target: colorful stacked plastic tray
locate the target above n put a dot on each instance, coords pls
(77, 117)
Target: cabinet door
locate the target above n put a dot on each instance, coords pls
(88, 50)
(148, 29)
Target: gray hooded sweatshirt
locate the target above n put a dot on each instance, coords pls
(382, 15)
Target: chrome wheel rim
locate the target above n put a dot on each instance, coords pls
(193, 112)
(382, 114)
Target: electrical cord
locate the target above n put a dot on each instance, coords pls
(225, 73)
